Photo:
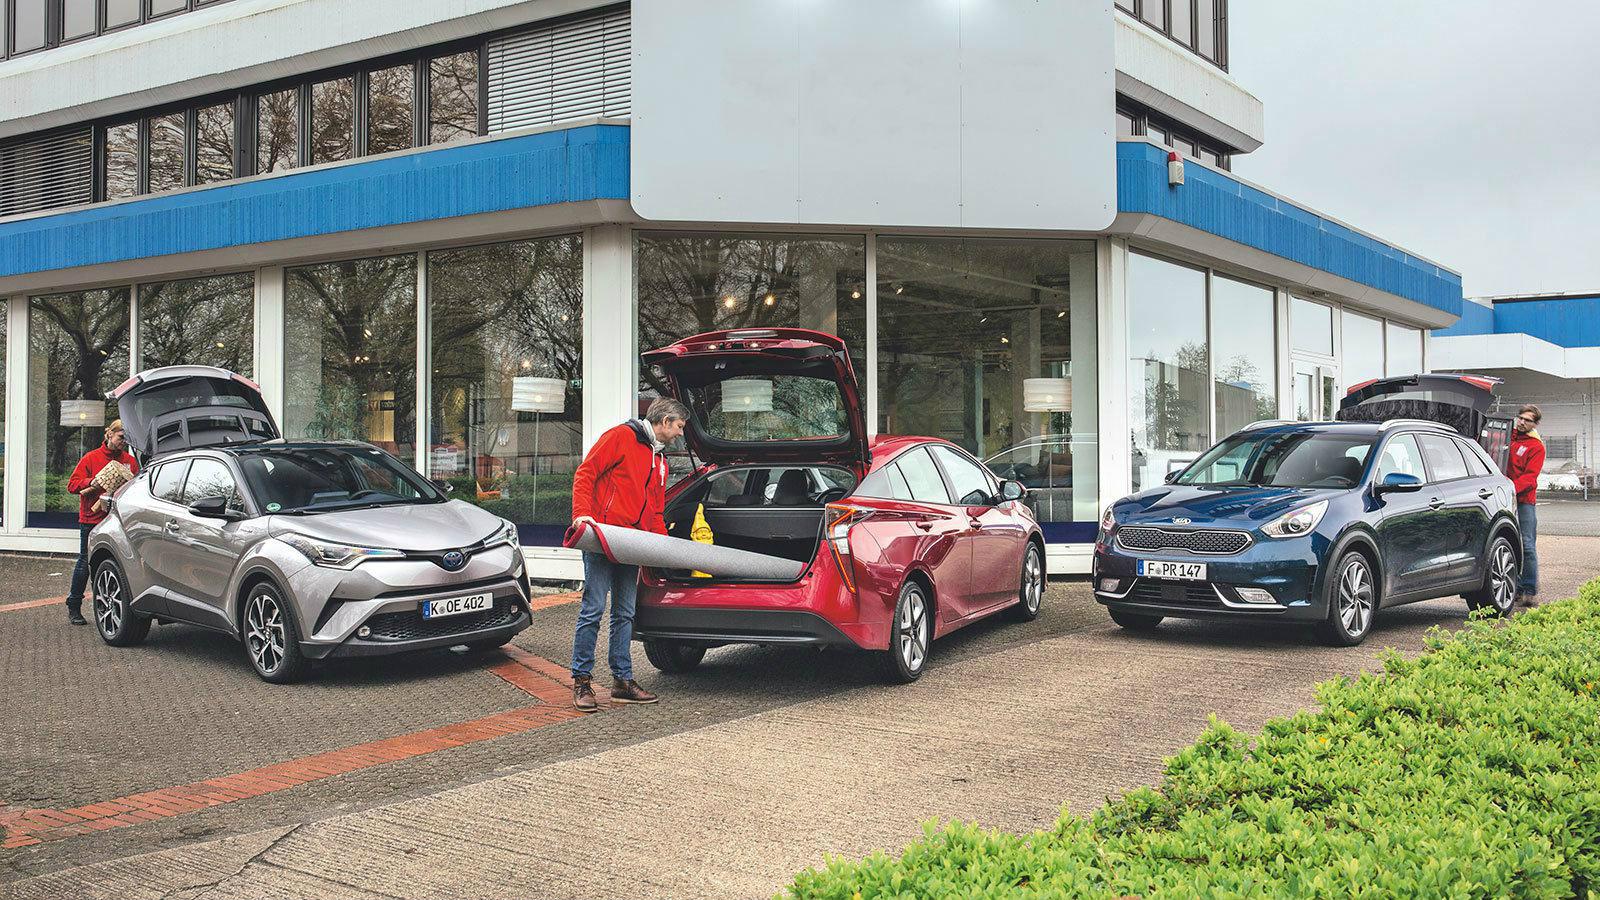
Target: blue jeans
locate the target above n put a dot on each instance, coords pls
(80, 572)
(601, 576)
(1528, 522)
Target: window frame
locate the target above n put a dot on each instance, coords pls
(1218, 22)
(1144, 119)
(55, 23)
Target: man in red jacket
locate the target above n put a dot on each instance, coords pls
(622, 481)
(1527, 460)
(82, 483)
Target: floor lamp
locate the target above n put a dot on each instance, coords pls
(1048, 395)
(537, 395)
(81, 414)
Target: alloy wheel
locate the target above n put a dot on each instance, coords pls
(264, 633)
(1503, 576)
(109, 604)
(1355, 597)
(914, 631)
(1032, 581)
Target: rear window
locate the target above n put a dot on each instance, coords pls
(762, 408)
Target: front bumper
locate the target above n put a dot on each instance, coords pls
(1288, 569)
(495, 625)
(715, 626)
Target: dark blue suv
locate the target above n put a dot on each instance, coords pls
(1323, 523)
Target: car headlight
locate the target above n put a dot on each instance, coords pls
(1296, 522)
(336, 555)
(1108, 519)
(506, 535)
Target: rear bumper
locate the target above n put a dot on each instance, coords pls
(736, 626)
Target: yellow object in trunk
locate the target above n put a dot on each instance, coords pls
(700, 533)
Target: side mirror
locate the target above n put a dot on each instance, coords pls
(1012, 490)
(1172, 476)
(214, 508)
(443, 485)
(1397, 483)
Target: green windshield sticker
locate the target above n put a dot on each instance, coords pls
(273, 507)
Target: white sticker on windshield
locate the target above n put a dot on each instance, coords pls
(273, 507)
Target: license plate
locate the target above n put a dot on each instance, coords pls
(455, 606)
(1179, 571)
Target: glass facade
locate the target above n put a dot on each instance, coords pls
(78, 352)
(198, 321)
(1168, 366)
(1310, 327)
(214, 143)
(1362, 342)
(277, 131)
(164, 166)
(1404, 347)
(1245, 347)
(5, 318)
(506, 402)
(333, 120)
(122, 160)
(977, 341)
(453, 98)
(390, 107)
(350, 361)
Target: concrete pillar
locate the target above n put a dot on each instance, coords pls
(610, 331)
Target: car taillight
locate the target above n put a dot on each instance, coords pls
(841, 519)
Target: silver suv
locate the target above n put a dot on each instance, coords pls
(301, 549)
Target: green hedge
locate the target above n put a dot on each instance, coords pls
(1472, 771)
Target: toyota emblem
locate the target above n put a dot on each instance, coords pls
(453, 560)
(1180, 520)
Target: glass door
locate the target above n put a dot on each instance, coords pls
(1316, 390)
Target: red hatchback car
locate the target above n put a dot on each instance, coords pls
(905, 539)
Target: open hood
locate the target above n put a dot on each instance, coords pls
(766, 395)
(179, 407)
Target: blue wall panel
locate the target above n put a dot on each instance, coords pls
(1217, 204)
(1563, 321)
(1475, 319)
(585, 163)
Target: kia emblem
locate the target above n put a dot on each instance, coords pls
(1180, 520)
(453, 560)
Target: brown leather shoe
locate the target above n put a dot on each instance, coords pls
(583, 695)
(629, 691)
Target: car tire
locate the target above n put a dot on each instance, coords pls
(674, 657)
(1351, 593)
(1502, 580)
(270, 636)
(114, 618)
(1134, 621)
(910, 635)
(1030, 594)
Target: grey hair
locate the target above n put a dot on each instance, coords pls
(663, 409)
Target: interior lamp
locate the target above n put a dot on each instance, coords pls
(751, 395)
(83, 413)
(533, 394)
(1047, 395)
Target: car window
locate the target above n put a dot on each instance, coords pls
(724, 486)
(886, 482)
(1401, 455)
(969, 481)
(167, 481)
(209, 478)
(921, 477)
(1475, 464)
(1444, 459)
(1042, 463)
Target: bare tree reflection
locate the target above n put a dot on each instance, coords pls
(198, 321)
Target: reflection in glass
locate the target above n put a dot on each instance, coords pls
(1182, 24)
(1206, 29)
(1405, 350)
(28, 24)
(198, 321)
(162, 7)
(77, 18)
(1167, 367)
(351, 327)
(968, 333)
(1311, 326)
(506, 334)
(453, 98)
(1155, 12)
(165, 165)
(333, 120)
(692, 283)
(389, 109)
(121, 12)
(1363, 347)
(1244, 343)
(122, 160)
(214, 144)
(277, 131)
(78, 347)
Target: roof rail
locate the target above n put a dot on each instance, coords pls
(1267, 423)
(1416, 423)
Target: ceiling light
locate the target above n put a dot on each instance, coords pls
(728, 302)
(770, 299)
(1004, 339)
(855, 295)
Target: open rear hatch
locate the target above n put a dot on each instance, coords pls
(180, 407)
(766, 395)
(1461, 402)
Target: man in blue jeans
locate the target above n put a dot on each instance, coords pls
(622, 481)
(1527, 460)
(115, 449)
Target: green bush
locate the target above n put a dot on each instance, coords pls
(1472, 771)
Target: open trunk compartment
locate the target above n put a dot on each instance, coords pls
(774, 510)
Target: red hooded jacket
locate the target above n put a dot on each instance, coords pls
(623, 480)
(1527, 461)
(87, 469)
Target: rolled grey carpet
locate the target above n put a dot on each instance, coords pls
(633, 547)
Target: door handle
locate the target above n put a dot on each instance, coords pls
(1435, 503)
(925, 526)
(1485, 494)
(171, 527)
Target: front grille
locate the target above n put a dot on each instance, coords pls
(1174, 592)
(411, 626)
(1190, 540)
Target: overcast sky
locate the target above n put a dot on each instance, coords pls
(1466, 131)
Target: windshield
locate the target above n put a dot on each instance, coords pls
(760, 408)
(318, 479)
(1297, 459)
